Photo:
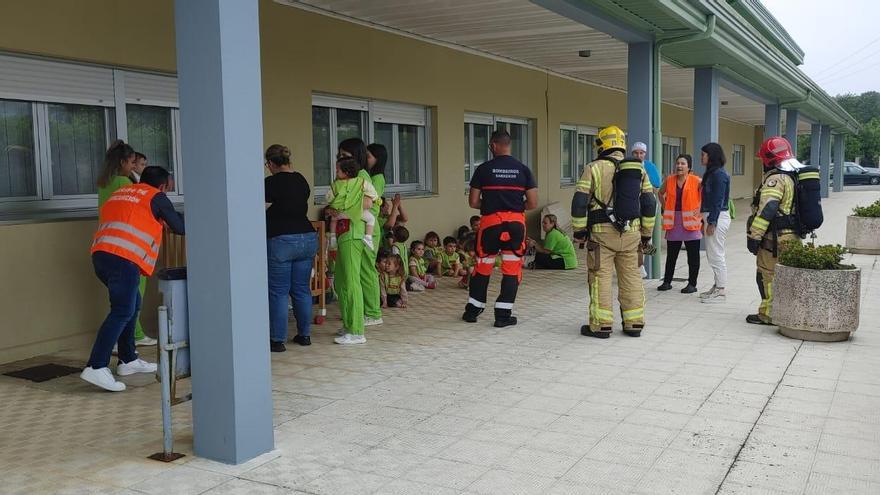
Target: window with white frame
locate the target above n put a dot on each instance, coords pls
(672, 147)
(576, 150)
(57, 120)
(403, 129)
(478, 129)
(739, 152)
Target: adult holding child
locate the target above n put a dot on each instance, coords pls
(291, 246)
(557, 253)
(681, 198)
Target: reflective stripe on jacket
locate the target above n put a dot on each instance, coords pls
(690, 203)
(128, 229)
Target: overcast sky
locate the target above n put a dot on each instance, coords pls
(840, 40)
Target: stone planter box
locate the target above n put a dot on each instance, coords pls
(863, 235)
(816, 305)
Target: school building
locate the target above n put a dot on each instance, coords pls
(203, 86)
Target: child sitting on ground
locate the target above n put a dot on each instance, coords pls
(392, 283)
(432, 252)
(346, 186)
(475, 223)
(450, 261)
(419, 278)
(468, 257)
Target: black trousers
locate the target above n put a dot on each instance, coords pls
(693, 253)
(543, 261)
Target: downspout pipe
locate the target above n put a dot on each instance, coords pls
(656, 134)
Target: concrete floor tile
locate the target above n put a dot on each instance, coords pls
(620, 477)
(182, 480)
(778, 478)
(502, 482)
(419, 443)
(404, 487)
(562, 443)
(821, 484)
(643, 434)
(538, 462)
(239, 486)
(342, 481)
(446, 473)
(847, 467)
(480, 453)
(672, 482)
(566, 487)
(624, 453)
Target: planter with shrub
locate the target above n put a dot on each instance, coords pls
(863, 229)
(815, 296)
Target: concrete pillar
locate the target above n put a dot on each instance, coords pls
(791, 125)
(772, 118)
(825, 160)
(815, 140)
(839, 148)
(218, 63)
(639, 118)
(705, 112)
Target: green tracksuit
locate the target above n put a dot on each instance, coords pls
(349, 261)
(369, 275)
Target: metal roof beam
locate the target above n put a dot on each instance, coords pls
(587, 14)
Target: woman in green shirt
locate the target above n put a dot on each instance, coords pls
(114, 176)
(557, 252)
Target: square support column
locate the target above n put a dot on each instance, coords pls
(772, 118)
(705, 112)
(825, 161)
(639, 120)
(791, 128)
(815, 144)
(218, 62)
(839, 148)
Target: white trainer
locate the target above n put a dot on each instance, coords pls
(704, 295)
(136, 366)
(368, 240)
(369, 322)
(716, 297)
(350, 339)
(103, 378)
(146, 341)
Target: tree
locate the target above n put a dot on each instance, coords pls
(865, 108)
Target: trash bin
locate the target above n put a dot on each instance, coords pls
(172, 286)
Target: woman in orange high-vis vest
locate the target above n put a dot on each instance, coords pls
(126, 246)
(680, 196)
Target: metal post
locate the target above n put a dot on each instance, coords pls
(839, 148)
(791, 128)
(166, 377)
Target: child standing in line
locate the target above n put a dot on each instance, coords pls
(347, 183)
(418, 268)
(450, 261)
(392, 283)
(468, 262)
(400, 235)
(432, 252)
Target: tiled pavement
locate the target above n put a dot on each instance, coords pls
(703, 403)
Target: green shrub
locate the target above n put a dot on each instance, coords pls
(828, 257)
(872, 210)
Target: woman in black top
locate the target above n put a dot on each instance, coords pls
(292, 243)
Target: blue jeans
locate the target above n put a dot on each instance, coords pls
(290, 270)
(122, 278)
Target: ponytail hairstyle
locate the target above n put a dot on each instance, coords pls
(278, 155)
(117, 153)
(380, 153)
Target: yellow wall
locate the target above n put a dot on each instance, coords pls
(50, 295)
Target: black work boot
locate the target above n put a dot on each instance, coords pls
(471, 313)
(634, 331)
(756, 319)
(504, 321)
(603, 332)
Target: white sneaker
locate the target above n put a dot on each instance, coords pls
(368, 322)
(350, 339)
(704, 295)
(717, 296)
(644, 272)
(136, 366)
(103, 378)
(368, 240)
(146, 341)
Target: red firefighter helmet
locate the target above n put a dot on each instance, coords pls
(774, 151)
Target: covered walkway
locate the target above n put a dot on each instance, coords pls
(703, 403)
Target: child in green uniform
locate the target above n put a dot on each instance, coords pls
(450, 261)
(345, 180)
(419, 278)
(468, 255)
(558, 251)
(392, 283)
(400, 236)
(432, 252)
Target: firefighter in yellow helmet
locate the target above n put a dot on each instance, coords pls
(613, 210)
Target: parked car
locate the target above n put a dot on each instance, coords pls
(854, 174)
